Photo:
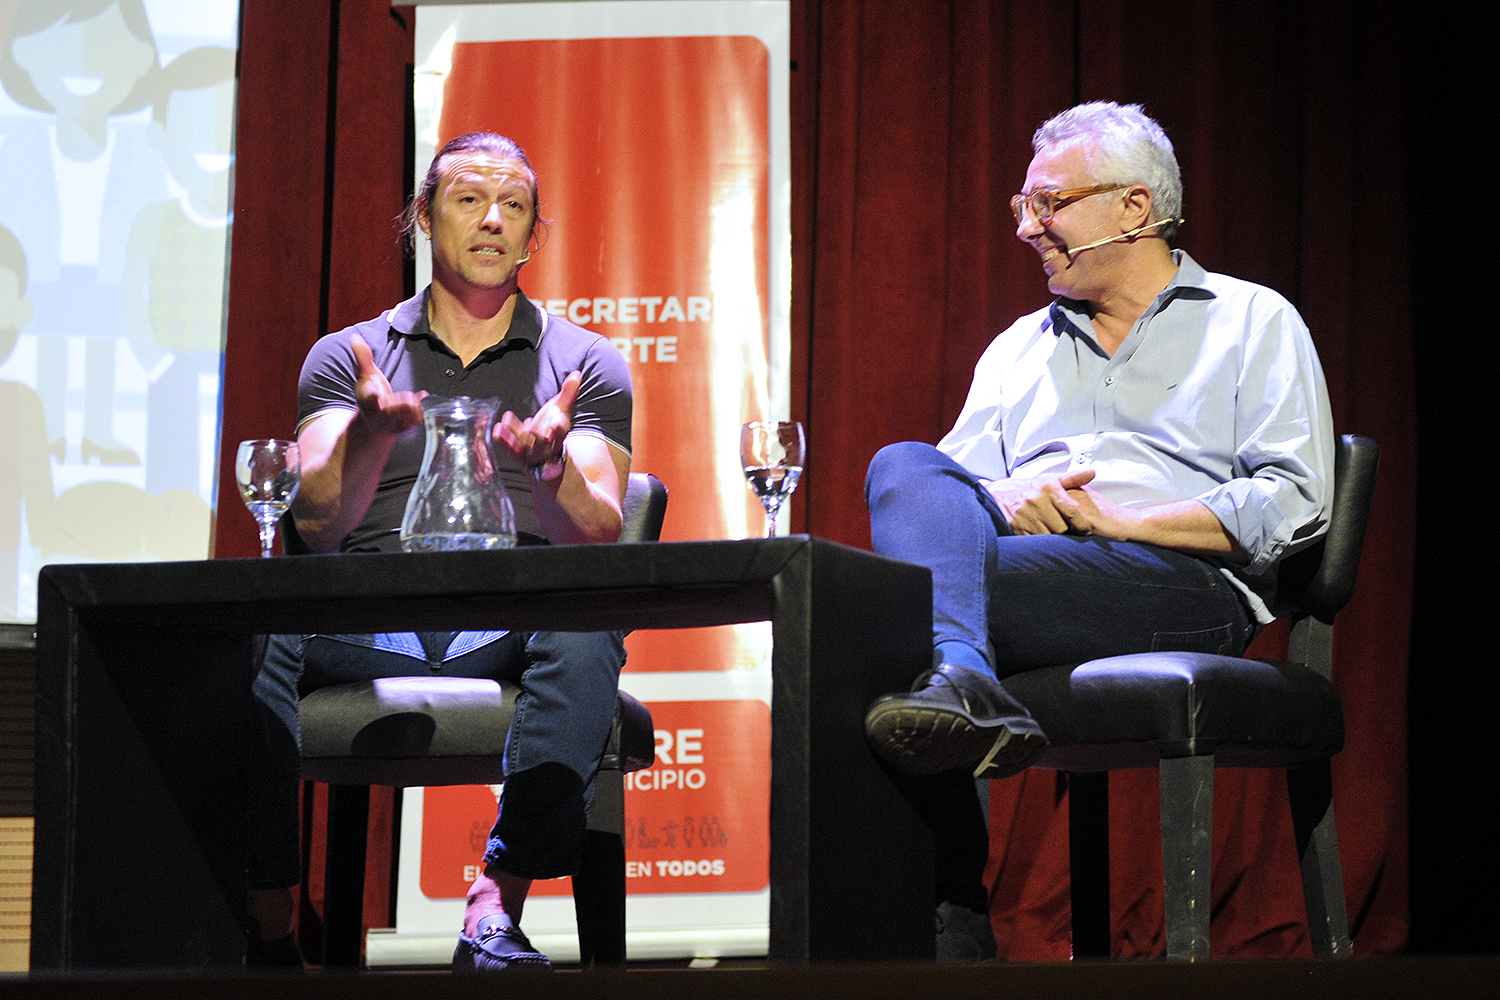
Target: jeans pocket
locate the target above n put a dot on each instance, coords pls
(1208, 640)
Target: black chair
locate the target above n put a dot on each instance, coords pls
(1187, 713)
(423, 731)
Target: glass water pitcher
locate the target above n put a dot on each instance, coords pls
(458, 501)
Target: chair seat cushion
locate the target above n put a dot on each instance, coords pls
(397, 730)
(1129, 711)
(408, 731)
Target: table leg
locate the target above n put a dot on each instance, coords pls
(851, 864)
(139, 826)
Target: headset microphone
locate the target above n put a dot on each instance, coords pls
(1070, 251)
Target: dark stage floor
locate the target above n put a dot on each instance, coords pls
(1445, 978)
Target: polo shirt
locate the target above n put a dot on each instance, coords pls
(523, 371)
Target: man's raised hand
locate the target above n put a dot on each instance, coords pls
(539, 438)
(383, 410)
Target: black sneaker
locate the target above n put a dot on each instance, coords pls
(498, 947)
(954, 717)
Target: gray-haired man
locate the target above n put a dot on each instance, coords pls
(1131, 464)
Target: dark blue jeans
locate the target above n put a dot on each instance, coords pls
(563, 716)
(1028, 601)
(1031, 601)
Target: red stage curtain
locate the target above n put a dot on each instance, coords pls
(910, 128)
(320, 176)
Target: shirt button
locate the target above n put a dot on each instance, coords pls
(450, 373)
(1109, 380)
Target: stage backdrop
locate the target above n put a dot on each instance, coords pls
(659, 134)
(910, 128)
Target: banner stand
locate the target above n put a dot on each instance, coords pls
(660, 134)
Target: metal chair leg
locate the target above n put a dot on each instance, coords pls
(1088, 860)
(1187, 835)
(344, 875)
(1310, 789)
(599, 886)
(599, 901)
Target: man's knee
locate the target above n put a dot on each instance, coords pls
(278, 671)
(607, 645)
(894, 466)
(601, 653)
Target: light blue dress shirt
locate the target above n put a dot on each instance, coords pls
(1215, 395)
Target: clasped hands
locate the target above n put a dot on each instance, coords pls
(1062, 504)
(533, 441)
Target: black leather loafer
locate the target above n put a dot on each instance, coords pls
(954, 717)
(498, 947)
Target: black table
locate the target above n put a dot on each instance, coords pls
(144, 674)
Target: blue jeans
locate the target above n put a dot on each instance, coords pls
(1028, 601)
(568, 681)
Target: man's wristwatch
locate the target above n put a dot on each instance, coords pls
(551, 470)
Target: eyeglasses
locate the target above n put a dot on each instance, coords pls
(1043, 205)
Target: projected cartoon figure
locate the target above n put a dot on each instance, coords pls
(175, 263)
(25, 473)
(63, 527)
(75, 177)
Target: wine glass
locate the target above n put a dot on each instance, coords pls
(269, 472)
(771, 452)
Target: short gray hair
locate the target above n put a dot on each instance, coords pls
(1130, 148)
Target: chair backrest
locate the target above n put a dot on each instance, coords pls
(1319, 580)
(644, 509)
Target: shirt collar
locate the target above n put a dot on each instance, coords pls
(409, 319)
(1188, 278)
(1190, 274)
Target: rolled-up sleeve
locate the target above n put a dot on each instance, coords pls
(1279, 498)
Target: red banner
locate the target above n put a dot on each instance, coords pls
(694, 822)
(653, 155)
